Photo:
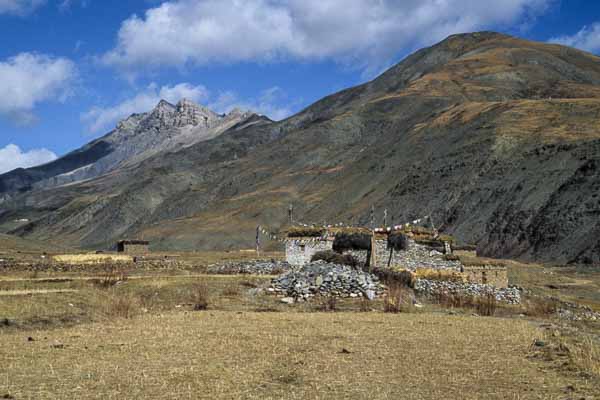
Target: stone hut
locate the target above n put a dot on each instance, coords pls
(133, 246)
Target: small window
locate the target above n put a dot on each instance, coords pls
(302, 247)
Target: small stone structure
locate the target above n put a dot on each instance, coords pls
(133, 246)
(487, 274)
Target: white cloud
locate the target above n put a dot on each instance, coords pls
(19, 7)
(360, 32)
(100, 118)
(28, 79)
(271, 102)
(12, 157)
(588, 38)
(65, 5)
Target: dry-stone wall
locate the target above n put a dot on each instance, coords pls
(510, 295)
(416, 256)
(326, 279)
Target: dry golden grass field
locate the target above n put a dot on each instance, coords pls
(195, 335)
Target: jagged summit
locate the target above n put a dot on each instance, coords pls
(190, 113)
(165, 128)
(164, 105)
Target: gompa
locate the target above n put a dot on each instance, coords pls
(133, 246)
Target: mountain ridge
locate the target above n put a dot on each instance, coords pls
(136, 137)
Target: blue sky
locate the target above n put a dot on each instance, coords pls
(70, 69)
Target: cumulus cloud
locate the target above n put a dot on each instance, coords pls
(19, 7)
(360, 32)
(12, 157)
(588, 38)
(100, 118)
(28, 79)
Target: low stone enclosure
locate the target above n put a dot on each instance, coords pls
(408, 248)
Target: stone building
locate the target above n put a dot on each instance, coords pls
(422, 247)
(408, 248)
(133, 246)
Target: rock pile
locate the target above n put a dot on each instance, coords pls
(575, 312)
(326, 279)
(250, 267)
(426, 287)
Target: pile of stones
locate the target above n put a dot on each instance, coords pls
(320, 278)
(250, 267)
(510, 295)
(576, 312)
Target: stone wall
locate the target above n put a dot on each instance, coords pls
(299, 251)
(416, 256)
(487, 275)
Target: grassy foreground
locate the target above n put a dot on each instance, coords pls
(77, 336)
(217, 354)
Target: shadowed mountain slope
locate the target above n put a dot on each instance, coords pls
(495, 137)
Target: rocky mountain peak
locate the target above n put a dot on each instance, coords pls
(130, 122)
(237, 112)
(190, 113)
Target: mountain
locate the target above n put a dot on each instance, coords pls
(167, 127)
(495, 137)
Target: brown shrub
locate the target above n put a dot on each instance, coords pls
(110, 278)
(299, 231)
(398, 241)
(335, 258)
(440, 275)
(352, 241)
(199, 296)
(453, 300)
(486, 304)
(326, 303)
(249, 284)
(365, 304)
(231, 290)
(399, 299)
(540, 306)
(402, 277)
(121, 305)
(586, 355)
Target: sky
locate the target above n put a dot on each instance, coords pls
(71, 69)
